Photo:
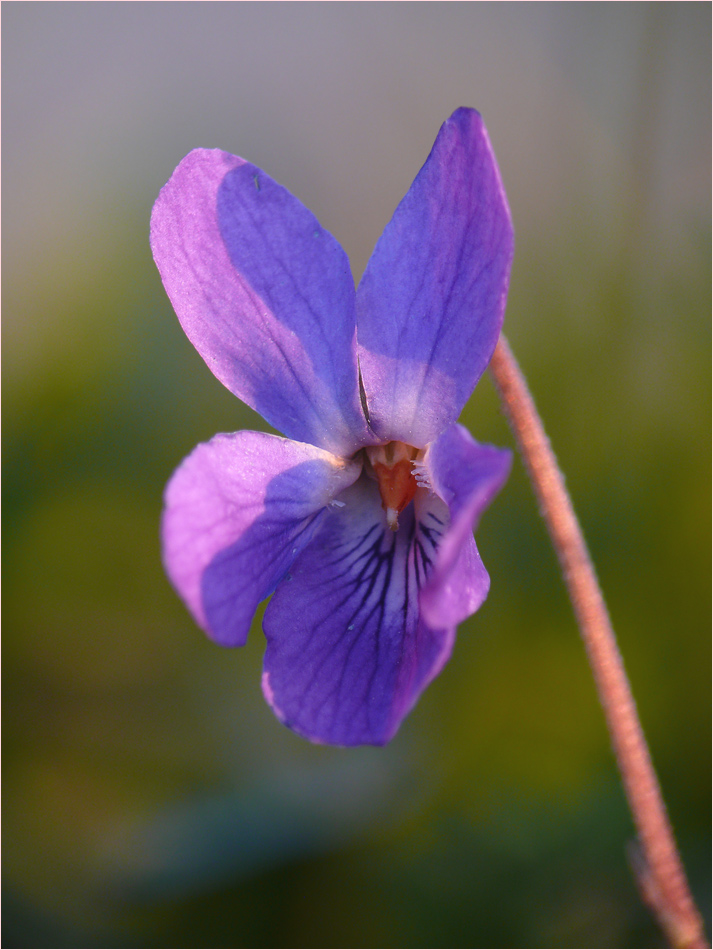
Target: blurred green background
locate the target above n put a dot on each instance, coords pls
(150, 797)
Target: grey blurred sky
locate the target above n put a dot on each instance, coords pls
(589, 105)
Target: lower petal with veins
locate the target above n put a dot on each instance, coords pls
(347, 653)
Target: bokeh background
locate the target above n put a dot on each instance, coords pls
(150, 797)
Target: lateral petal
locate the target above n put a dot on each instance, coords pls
(237, 512)
(347, 654)
(265, 295)
(430, 304)
(467, 476)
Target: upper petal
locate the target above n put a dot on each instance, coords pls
(430, 304)
(264, 293)
(467, 476)
(237, 512)
(347, 652)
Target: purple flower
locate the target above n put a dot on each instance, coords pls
(360, 522)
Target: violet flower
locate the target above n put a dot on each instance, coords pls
(360, 522)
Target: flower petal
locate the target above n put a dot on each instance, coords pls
(265, 295)
(237, 512)
(467, 476)
(430, 304)
(347, 655)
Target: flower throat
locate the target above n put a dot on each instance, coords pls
(392, 465)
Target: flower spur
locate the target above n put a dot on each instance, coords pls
(359, 522)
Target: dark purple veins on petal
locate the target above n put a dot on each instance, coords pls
(347, 655)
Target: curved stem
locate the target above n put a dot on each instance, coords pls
(661, 877)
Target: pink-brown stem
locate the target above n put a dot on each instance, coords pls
(661, 877)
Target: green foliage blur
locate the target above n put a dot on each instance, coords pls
(150, 797)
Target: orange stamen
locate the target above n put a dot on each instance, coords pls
(393, 467)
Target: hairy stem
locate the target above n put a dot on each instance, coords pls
(660, 873)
